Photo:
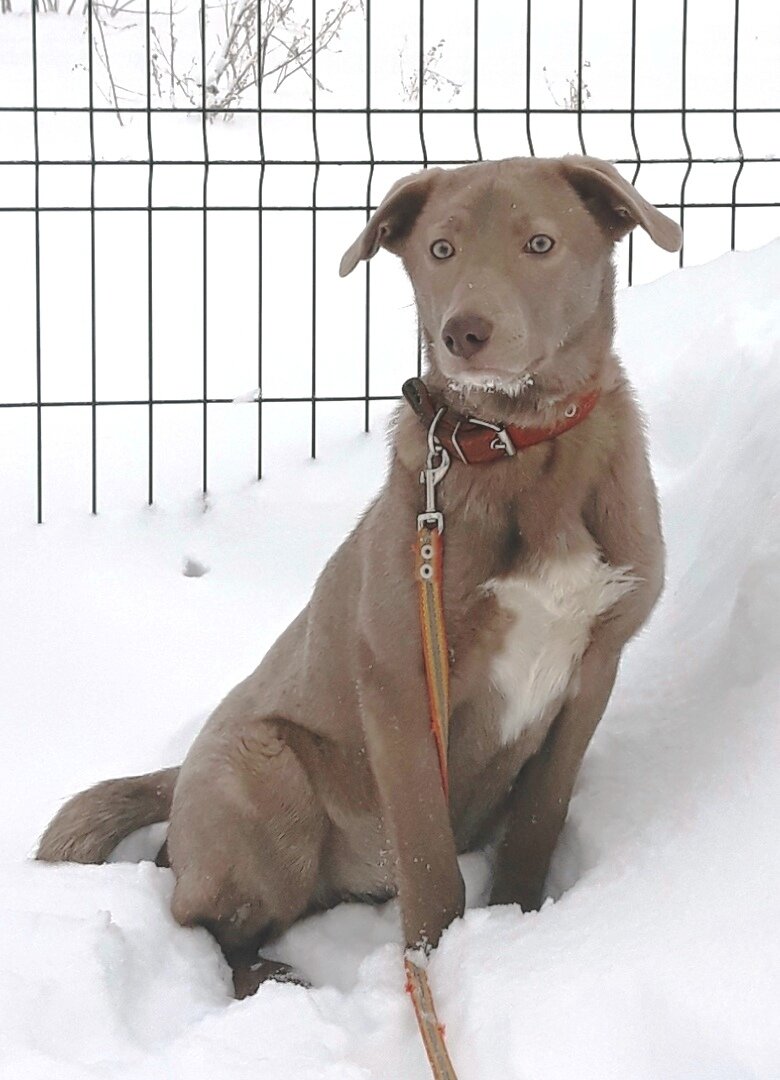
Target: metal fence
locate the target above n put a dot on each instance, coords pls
(664, 133)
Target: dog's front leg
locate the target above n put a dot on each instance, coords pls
(622, 516)
(404, 762)
(540, 798)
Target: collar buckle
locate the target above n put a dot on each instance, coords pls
(502, 440)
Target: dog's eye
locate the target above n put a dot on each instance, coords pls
(442, 249)
(540, 244)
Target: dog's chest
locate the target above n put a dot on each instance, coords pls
(548, 614)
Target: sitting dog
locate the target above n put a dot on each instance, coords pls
(317, 778)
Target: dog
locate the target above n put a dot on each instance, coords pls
(317, 778)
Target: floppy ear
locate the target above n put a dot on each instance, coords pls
(393, 219)
(616, 204)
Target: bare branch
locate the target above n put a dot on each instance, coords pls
(431, 75)
(256, 40)
(106, 62)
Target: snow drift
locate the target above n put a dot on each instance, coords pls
(658, 953)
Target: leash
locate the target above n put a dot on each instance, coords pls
(429, 550)
(429, 563)
(474, 441)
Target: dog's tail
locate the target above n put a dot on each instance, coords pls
(91, 824)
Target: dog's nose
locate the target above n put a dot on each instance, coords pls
(464, 335)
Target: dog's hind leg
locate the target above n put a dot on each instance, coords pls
(245, 844)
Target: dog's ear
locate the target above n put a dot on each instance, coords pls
(616, 204)
(393, 219)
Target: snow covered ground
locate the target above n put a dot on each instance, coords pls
(658, 954)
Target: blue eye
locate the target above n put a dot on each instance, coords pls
(540, 244)
(442, 249)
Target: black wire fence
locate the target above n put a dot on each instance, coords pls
(292, 121)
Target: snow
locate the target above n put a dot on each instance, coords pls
(657, 954)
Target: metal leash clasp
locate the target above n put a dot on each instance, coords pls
(436, 466)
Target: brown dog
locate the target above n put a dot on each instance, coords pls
(317, 780)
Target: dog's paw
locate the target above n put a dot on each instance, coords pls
(248, 977)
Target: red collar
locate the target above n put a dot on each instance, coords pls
(477, 442)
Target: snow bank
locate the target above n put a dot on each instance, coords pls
(658, 954)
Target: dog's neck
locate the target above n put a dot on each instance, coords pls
(534, 400)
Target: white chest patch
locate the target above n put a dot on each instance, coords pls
(552, 611)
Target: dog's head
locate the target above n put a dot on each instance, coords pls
(511, 264)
